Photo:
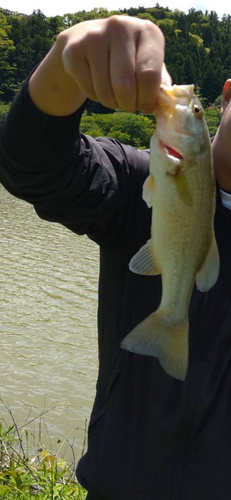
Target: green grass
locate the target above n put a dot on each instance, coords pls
(33, 474)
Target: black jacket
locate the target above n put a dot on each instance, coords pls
(151, 437)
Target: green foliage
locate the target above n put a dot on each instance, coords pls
(136, 130)
(198, 50)
(195, 43)
(164, 24)
(4, 108)
(213, 117)
(40, 475)
(7, 70)
(210, 83)
(198, 39)
(146, 15)
(128, 128)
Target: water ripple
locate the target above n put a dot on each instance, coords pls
(48, 310)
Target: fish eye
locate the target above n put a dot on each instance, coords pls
(198, 111)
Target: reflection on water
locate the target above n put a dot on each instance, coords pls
(48, 331)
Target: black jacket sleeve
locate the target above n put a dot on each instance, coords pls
(83, 183)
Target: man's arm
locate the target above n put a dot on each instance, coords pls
(118, 61)
(81, 182)
(222, 142)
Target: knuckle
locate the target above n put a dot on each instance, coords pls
(72, 49)
(93, 37)
(68, 58)
(148, 24)
(62, 38)
(156, 33)
(114, 21)
(148, 75)
(154, 27)
(119, 25)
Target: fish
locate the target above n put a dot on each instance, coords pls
(181, 191)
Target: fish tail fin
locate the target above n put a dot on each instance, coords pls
(166, 341)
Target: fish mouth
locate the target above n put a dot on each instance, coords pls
(171, 152)
(176, 94)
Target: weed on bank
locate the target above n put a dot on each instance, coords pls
(40, 475)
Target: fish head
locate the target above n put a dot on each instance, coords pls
(181, 135)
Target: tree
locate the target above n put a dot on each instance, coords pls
(191, 40)
(207, 35)
(214, 21)
(22, 57)
(213, 118)
(39, 30)
(145, 15)
(182, 24)
(4, 108)
(7, 70)
(135, 130)
(210, 87)
(189, 70)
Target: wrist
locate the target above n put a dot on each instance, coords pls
(51, 89)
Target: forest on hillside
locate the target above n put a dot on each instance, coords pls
(198, 50)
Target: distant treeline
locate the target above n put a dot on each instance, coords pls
(198, 49)
(198, 46)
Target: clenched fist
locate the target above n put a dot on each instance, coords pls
(118, 61)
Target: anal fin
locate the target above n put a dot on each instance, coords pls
(208, 273)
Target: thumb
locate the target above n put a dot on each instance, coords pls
(226, 96)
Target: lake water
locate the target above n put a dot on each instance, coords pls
(48, 327)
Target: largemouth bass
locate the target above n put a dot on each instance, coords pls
(181, 191)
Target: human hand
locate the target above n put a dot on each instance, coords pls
(118, 61)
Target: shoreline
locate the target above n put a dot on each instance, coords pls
(28, 472)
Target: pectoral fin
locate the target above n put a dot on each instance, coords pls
(148, 190)
(209, 271)
(143, 261)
